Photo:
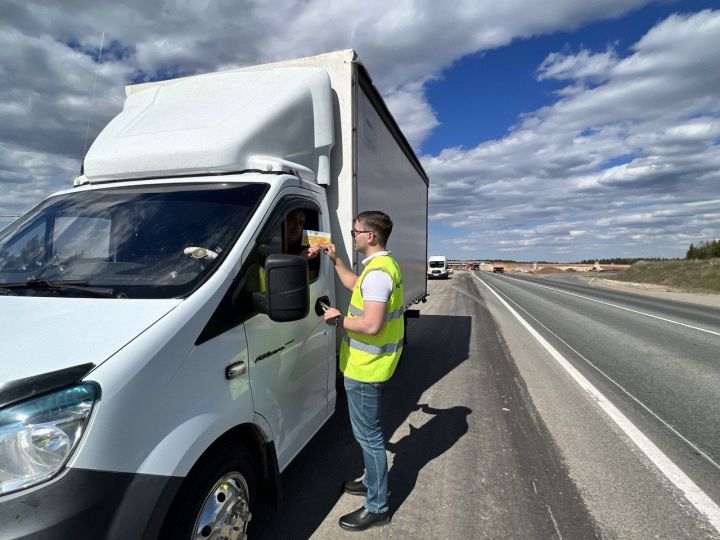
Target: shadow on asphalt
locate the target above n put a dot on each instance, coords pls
(421, 446)
(312, 483)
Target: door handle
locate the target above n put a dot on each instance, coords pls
(235, 370)
(319, 309)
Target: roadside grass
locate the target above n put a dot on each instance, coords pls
(691, 275)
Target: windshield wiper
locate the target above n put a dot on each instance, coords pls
(68, 285)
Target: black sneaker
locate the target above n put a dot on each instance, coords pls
(355, 487)
(362, 519)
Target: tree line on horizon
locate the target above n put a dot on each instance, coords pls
(708, 250)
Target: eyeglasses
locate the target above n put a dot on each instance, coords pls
(354, 233)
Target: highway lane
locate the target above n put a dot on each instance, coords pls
(691, 314)
(665, 377)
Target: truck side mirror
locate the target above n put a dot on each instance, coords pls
(287, 294)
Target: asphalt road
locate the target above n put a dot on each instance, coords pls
(490, 438)
(658, 361)
(469, 455)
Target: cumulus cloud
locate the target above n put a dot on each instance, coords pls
(624, 158)
(632, 159)
(584, 65)
(409, 104)
(48, 54)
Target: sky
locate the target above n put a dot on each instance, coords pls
(551, 130)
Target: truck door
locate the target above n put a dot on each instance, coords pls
(289, 361)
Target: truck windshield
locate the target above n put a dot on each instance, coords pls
(437, 264)
(157, 241)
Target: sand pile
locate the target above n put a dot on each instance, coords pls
(549, 270)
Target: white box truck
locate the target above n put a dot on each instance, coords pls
(164, 355)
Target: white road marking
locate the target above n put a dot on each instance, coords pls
(697, 497)
(619, 307)
(692, 445)
(555, 524)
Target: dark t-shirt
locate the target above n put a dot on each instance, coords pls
(313, 264)
(296, 248)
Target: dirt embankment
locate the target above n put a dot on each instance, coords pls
(695, 282)
(693, 275)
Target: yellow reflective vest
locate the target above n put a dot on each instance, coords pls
(374, 358)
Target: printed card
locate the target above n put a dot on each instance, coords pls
(315, 237)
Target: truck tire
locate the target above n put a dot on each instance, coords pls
(216, 499)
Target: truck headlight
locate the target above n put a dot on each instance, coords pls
(37, 436)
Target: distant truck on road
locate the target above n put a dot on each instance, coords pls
(498, 268)
(437, 267)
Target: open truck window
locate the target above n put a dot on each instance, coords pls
(278, 237)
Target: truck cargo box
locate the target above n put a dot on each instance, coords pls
(372, 166)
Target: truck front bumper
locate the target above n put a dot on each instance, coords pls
(84, 504)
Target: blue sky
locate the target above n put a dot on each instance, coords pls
(481, 96)
(554, 130)
(499, 85)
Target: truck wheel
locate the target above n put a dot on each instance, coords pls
(216, 499)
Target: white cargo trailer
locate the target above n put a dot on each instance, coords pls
(165, 352)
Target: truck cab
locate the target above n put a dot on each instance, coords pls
(169, 314)
(437, 267)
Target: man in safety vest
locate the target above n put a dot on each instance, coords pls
(374, 328)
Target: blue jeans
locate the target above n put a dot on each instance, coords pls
(364, 407)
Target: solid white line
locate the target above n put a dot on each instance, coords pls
(619, 307)
(697, 497)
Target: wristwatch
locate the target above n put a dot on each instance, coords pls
(336, 320)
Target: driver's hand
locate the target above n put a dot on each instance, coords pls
(313, 251)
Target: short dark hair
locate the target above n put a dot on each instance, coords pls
(378, 222)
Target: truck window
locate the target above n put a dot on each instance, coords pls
(148, 241)
(87, 237)
(280, 236)
(294, 241)
(25, 251)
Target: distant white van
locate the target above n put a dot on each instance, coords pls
(437, 267)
